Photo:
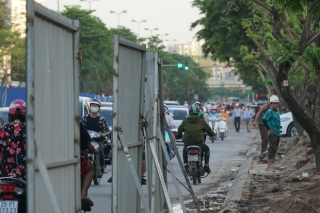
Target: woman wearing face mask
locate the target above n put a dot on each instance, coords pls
(97, 123)
(13, 142)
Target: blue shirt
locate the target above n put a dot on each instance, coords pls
(236, 112)
(273, 120)
(248, 113)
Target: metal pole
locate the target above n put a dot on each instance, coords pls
(58, 7)
(119, 20)
(30, 67)
(138, 29)
(89, 5)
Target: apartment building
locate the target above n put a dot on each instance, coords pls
(18, 14)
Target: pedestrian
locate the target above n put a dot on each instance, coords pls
(186, 105)
(237, 114)
(248, 117)
(263, 130)
(271, 120)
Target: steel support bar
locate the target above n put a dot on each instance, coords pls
(173, 175)
(163, 184)
(134, 172)
(47, 183)
(195, 200)
(168, 65)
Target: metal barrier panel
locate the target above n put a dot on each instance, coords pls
(128, 90)
(157, 201)
(53, 168)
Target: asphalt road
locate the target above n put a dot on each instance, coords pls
(225, 159)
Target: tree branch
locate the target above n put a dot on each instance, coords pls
(268, 15)
(304, 43)
(261, 49)
(262, 4)
(314, 37)
(304, 65)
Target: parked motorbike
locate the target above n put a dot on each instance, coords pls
(95, 158)
(222, 124)
(196, 171)
(13, 195)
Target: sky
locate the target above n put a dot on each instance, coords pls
(172, 17)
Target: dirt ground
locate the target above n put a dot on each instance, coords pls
(294, 187)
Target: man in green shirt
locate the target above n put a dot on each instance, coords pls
(193, 128)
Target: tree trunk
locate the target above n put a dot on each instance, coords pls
(316, 150)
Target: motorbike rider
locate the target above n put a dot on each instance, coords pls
(214, 113)
(193, 128)
(87, 169)
(13, 142)
(97, 123)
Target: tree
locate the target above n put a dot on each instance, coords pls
(285, 34)
(12, 49)
(96, 45)
(225, 37)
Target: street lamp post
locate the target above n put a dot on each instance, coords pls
(139, 25)
(171, 43)
(151, 30)
(162, 36)
(89, 1)
(113, 12)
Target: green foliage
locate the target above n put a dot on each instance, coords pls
(96, 75)
(96, 45)
(298, 6)
(226, 38)
(12, 48)
(180, 84)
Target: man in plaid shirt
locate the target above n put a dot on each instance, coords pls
(97, 123)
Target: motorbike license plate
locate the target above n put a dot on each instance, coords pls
(8, 206)
(192, 157)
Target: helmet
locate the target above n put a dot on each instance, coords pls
(17, 104)
(95, 101)
(197, 102)
(274, 99)
(193, 109)
(237, 104)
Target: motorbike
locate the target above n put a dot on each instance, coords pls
(13, 195)
(213, 123)
(222, 128)
(95, 158)
(107, 147)
(196, 171)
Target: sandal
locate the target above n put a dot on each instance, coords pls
(86, 201)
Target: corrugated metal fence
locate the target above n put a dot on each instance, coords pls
(52, 112)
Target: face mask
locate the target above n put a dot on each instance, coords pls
(94, 109)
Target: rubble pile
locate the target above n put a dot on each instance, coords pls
(289, 185)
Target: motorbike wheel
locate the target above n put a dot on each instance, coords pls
(199, 176)
(194, 176)
(222, 135)
(212, 139)
(96, 181)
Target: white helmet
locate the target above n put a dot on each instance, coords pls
(274, 99)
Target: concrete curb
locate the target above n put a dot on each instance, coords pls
(235, 191)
